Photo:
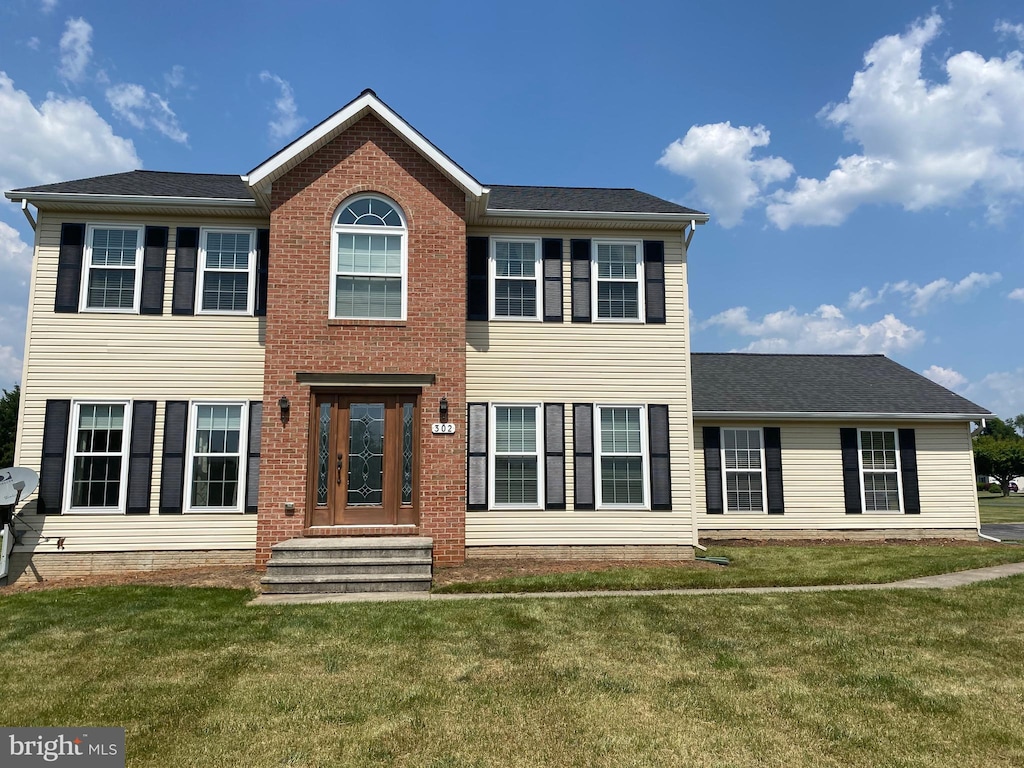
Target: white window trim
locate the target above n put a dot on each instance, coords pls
(243, 453)
(69, 468)
(594, 280)
(355, 229)
(87, 267)
(645, 449)
(492, 454)
(860, 468)
(538, 277)
(726, 471)
(201, 269)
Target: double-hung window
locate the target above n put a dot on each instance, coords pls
(369, 257)
(113, 262)
(617, 287)
(622, 456)
(97, 472)
(516, 275)
(880, 470)
(516, 466)
(227, 271)
(743, 469)
(215, 471)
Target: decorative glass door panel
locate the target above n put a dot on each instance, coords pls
(363, 452)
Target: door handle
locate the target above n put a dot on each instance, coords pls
(341, 461)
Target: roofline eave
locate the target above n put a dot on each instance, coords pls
(141, 200)
(838, 416)
(674, 218)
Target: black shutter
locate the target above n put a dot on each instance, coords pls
(154, 264)
(654, 280)
(252, 476)
(477, 304)
(552, 250)
(851, 470)
(172, 472)
(580, 252)
(554, 456)
(69, 268)
(140, 457)
(262, 271)
(583, 456)
(186, 259)
(661, 465)
(773, 470)
(51, 468)
(908, 472)
(713, 470)
(476, 460)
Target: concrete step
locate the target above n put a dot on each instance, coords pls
(325, 566)
(363, 547)
(329, 584)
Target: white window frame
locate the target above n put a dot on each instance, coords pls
(69, 469)
(861, 471)
(243, 454)
(492, 454)
(202, 270)
(726, 471)
(645, 449)
(595, 280)
(355, 229)
(87, 267)
(538, 277)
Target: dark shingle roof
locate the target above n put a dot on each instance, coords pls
(579, 199)
(154, 184)
(750, 383)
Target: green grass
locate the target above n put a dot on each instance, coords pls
(1001, 509)
(770, 566)
(913, 678)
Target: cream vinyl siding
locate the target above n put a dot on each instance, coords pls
(812, 477)
(626, 363)
(86, 355)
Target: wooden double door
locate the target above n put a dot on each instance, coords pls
(363, 459)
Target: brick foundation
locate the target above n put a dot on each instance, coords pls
(46, 566)
(368, 157)
(584, 552)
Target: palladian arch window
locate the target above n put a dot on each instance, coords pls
(369, 257)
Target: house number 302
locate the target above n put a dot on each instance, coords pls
(447, 428)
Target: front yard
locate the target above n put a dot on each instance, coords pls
(995, 508)
(823, 679)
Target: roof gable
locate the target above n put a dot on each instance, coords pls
(262, 176)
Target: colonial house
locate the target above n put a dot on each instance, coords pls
(357, 351)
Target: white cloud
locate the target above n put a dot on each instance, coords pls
(1006, 29)
(145, 109)
(176, 77)
(75, 49)
(1017, 294)
(923, 298)
(47, 6)
(287, 120)
(61, 139)
(1001, 392)
(864, 298)
(923, 144)
(15, 254)
(947, 377)
(719, 159)
(10, 367)
(33, 43)
(825, 329)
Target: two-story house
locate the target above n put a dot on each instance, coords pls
(358, 343)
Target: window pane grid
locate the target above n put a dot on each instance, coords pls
(620, 430)
(622, 480)
(111, 289)
(881, 492)
(742, 452)
(114, 247)
(216, 456)
(368, 297)
(515, 298)
(622, 462)
(516, 459)
(369, 254)
(618, 285)
(616, 261)
(744, 492)
(98, 455)
(369, 266)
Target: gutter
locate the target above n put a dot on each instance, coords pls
(834, 415)
(675, 218)
(142, 200)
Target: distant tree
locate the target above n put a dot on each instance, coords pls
(1017, 422)
(1002, 430)
(8, 425)
(1001, 459)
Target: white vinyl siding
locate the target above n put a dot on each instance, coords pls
(743, 470)
(96, 462)
(227, 271)
(515, 290)
(617, 280)
(111, 269)
(517, 472)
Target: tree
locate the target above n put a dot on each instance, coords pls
(1001, 430)
(1003, 459)
(1017, 422)
(9, 425)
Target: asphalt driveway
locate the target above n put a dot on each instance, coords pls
(1005, 531)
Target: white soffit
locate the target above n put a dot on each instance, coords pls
(260, 177)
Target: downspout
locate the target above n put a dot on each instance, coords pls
(28, 214)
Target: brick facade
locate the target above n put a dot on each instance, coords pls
(368, 157)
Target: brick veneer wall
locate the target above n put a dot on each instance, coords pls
(368, 157)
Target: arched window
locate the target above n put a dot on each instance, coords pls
(369, 256)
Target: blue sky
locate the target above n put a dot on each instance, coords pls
(863, 163)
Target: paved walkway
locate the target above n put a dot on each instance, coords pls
(1004, 531)
(942, 581)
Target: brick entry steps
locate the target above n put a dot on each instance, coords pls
(358, 564)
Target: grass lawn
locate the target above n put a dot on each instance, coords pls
(769, 566)
(912, 678)
(1000, 509)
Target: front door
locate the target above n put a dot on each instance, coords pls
(363, 455)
